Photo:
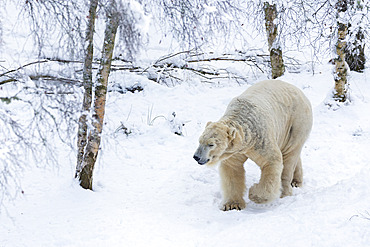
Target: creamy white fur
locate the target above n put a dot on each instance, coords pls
(268, 123)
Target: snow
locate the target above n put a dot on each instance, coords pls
(148, 191)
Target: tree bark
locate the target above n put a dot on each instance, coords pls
(341, 71)
(87, 83)
(93, 144)
(276, 53)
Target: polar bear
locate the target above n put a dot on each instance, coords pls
(268, 123)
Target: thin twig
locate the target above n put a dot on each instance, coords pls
(170, 56)
(26, 65)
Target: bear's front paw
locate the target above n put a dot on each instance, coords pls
(233, 205)
(296, 183)
(261, 194)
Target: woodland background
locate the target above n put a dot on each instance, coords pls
(117, 89)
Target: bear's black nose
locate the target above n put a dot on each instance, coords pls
(196, 158)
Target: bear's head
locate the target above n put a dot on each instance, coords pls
(215, 143)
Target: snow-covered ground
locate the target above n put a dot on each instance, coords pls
(150, 192)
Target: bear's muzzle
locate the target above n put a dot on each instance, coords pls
(199, 160)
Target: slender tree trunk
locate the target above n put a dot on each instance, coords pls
(276, 53)
(87, 82)
(340, 74)
(93, 144)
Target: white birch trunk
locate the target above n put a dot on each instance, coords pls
(341, 69)
(276, 53)
(87, 82)
(93, 144)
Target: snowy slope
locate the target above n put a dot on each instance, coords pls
(149, 191)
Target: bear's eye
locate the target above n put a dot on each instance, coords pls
(211, 145)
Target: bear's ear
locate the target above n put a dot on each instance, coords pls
(234, 137)
(208, 123)
(231, 132)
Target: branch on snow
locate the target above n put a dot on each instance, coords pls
(45, 78)
(203, 65)
(56, 79)
(23, 66)
(207, 66)
(14, 75)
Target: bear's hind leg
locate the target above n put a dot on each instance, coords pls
(232, 175)
(298, 174)
(290, 164)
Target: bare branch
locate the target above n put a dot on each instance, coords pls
(166, 66)
(23, 66)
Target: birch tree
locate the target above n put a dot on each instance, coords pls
(84, 170)
(276, 53)
(352, 24)
(118, 14)
(341, 68)
(87, 83)
(342, 26)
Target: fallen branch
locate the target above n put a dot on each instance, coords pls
(54, 78)
(46, 78)
(7, 81)
(23, 66)
(165, 67)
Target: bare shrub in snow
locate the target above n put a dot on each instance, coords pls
(33, 119)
